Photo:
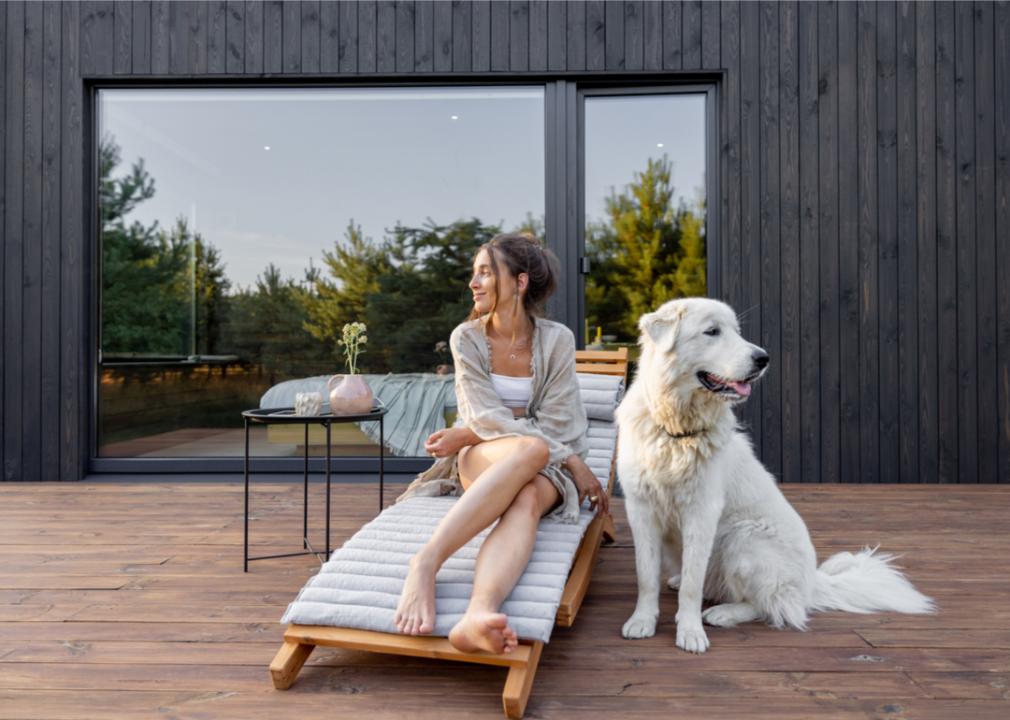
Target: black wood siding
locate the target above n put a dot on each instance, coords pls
(864, 204)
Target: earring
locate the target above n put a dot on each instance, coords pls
(515, 307)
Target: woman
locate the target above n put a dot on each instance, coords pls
(517, 451)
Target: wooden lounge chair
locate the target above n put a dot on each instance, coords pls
(301, 640)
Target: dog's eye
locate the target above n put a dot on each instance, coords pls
(712, 331)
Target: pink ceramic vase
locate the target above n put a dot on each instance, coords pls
(349, 395)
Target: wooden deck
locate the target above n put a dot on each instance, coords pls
(128, 600)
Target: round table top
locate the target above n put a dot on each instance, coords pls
(287, 415)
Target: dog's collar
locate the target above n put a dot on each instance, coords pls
(681, 436)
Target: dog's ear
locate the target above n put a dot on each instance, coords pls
(661, 327)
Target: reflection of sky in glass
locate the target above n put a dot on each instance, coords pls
(375, 155)
(622, 133)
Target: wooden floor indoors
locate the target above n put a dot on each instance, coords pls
(129, 601)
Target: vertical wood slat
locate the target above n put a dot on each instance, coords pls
(575, 36)
(367, 41)
(50, 39)
(424, 36)
(254, 54)
(329, 38)
(985, 237)
(946, 246)
(613, 34)
(538, 41)
(652, 36)
(749, 64)
(291, 37)
(557, 36)
(404, 36)
(770, 255)
(385, 36)
(217, 37)
(634, 31)
(673, 35)
(140, 37)
(926, 239)
(789, 113)
(273, 37)
(311, 59)
(5, 367)
(74, 309)
(31, 242)
(462, 36)
(711, 33)
(809, 247)
(187, 48)
(13, 295)
(159, 39)
(347, 49)
(235, 34)
(907, 249)
(443, 36)
(122, 33)
(691, 29)
(500, 22)
(967, 369)
(827, 220)
(1001, 72)
(848, 242)
(481, 16)
(519, 36)
(887, 240)
(596, 35)
(770, 234)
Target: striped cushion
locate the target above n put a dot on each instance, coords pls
(360, 586)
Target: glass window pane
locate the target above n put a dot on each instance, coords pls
(645, 209)
(242, 228)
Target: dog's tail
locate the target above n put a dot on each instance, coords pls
(866, 582)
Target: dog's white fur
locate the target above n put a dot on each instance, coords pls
(706, 506)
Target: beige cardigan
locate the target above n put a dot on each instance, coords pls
(555, 412)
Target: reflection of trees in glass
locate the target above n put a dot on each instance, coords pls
(155, 283)
(646, 253)
(409, 289)
(265, 326)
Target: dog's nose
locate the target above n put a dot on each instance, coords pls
(760, 359)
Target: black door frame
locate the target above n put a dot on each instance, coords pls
(564, 207)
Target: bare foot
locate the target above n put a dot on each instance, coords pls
(415, 614)
(484, 631)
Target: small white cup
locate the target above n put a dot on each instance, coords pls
(308, 403)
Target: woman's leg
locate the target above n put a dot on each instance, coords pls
(506, 465)
(502, 559)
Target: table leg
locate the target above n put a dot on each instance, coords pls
(305, 493)
(245, 534)
(327, 491)
(382, 455)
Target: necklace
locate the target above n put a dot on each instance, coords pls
(514, 349)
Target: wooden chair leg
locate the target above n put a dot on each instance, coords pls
(519, 683)
(288, 662)
(609, 531)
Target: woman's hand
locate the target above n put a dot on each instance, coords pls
(587, 485)
(449, 441)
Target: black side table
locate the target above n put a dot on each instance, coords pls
(286, 416)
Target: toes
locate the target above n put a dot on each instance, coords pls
(425, 627)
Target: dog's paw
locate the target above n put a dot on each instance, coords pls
(692, 637)
(673, 582)
(720, 616)
(639, 626)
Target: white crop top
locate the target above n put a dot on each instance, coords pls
(514, 392)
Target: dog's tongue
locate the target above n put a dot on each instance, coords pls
(742, 388)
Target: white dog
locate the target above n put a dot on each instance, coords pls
(696, 493)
